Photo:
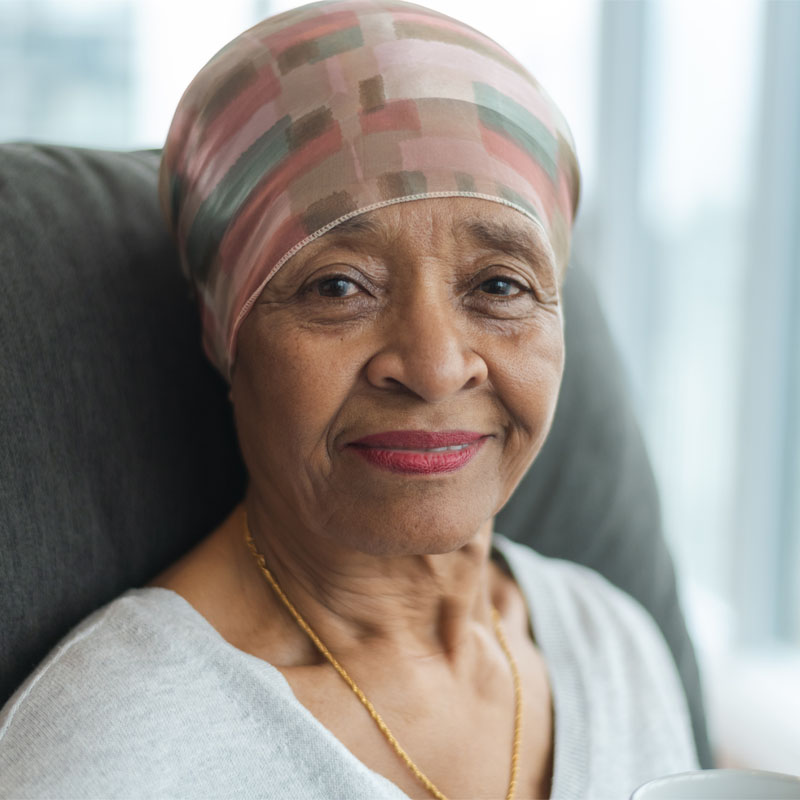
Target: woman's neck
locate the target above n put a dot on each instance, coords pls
(415, 605)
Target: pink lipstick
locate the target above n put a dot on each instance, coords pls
(419, 452)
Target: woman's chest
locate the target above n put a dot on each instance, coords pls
(462, 742)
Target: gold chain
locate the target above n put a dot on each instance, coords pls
(418, 774)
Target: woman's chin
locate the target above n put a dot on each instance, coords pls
(415, 532)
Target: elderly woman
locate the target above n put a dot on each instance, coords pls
(374, 203)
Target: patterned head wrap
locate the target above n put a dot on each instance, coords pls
(337, 108)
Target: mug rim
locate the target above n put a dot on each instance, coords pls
(704, 774)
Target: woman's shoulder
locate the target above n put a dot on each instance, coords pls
(578, 595)
(570, 604)
(120, 647)
(138, 675)
(119, 635)
(615, 684)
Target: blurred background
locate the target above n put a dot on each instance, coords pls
(686, 115)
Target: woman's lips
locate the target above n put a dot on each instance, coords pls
(419, 452)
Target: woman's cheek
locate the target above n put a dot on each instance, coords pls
(528, 384)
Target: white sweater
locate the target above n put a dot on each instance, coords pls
(144, 699)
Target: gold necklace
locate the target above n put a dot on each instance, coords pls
(418, 774)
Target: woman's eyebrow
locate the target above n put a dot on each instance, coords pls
(510, 239)
(356, 233)
(356, 225)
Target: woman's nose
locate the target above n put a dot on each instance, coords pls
(425, 349)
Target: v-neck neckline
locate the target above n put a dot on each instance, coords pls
(503, 549)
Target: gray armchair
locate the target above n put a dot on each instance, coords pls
(117, 449)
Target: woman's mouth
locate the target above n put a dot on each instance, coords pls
(419, 452)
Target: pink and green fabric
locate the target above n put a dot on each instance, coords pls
(337, 108)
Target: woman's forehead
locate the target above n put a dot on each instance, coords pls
(481, 223)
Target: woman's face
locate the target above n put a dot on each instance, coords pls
(425, 324)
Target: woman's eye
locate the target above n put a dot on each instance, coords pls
(502, 286)
(335, 287)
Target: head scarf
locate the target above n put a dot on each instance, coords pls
(334, 109)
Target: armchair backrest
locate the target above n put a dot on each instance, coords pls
(117, 449)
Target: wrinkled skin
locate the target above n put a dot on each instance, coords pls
(433, 330)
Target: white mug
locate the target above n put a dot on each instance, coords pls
(721, 784)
